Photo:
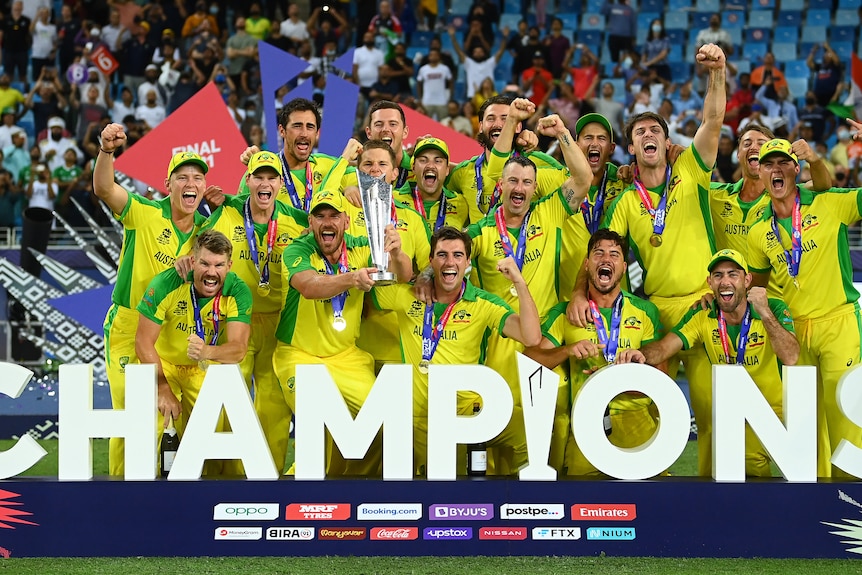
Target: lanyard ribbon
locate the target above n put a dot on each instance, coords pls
(656, 213)
(518, 254)
(343, 268)
(742, 342)
(498, 188)
(610, 341)
(432, 333)
(594, 217)
(271, 229)
(199, 324)
(402, 177)
(794, 257)
(291, 187)
(420, 207)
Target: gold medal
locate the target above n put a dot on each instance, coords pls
(655, 240)
(339, 323)
(423, 366)
(263, 289)
(513, 290)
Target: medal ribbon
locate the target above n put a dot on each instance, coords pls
(402, 177)
(343, 268)
(610, 341)
(498, 189)
(794, 257)
(251, 238)
(742, 342)
(517, 255)
(431, 333)
(291, 187)
(420, 207)
(656, 213)
(594, 217)
(199, 324)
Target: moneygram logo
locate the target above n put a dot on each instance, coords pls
(556, 533)
(239, 533)
(245, 511)
(508, 533)
(538, 511)
(319, 511)
(389, 511)
(604, 512)
(611, 533)
(394, 533)
(447, 533)
(290, 533)
(342, 533)
(466, 512)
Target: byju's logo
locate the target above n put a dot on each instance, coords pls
(556, 533)
(611, 533)
(464, 512)
(447, 533)
(537, 511)
(245, 511)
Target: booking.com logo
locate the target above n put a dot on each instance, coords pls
(386, 511)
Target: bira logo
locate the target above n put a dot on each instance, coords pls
(394, 533)
(319, 511)
(849, 530)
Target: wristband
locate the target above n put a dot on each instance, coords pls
(104, 151)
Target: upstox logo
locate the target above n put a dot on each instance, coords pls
(610, 533)
(447, 533)
(556, 533)
(245, 511)
(538, 511)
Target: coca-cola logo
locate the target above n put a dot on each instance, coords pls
(394, 533)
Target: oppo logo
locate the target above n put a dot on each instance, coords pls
(246, 511)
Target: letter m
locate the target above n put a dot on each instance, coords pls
(320, 407)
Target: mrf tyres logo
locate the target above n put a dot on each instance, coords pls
(850, 530)
(317, 511)
(245, 511)
(537, 511)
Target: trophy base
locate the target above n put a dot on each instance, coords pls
(383, 278)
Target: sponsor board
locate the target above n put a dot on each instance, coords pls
(507, 533)
(341, 533)
(461, 511)
(447, 533)
(239, 533)
(556, 533)
(389, 511)
(394, 533)
(290, 533)
(611, 533)
(604, 511)
(537, 511)
(245, 511)
(317, 511)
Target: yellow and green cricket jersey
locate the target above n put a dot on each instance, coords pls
(541, 257)
(167, 301)
(321, 167)
(307, 324)
(678, 266)
(639, 325)
(151, 244)
(825, 271)
(457, 212)
(229, 220)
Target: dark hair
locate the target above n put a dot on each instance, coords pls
(640, 118)
(214, 241)
(298, 105)
(610, 235)
(385, 105)
(378, 145)
(450, 233)
(499, 99)
(521, 161)
(754, 127)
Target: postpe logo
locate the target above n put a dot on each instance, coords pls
(447, 533)
(605, 511)
(465, 512)
(538, 511)
(245, 511)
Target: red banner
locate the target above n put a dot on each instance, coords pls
(104, 60)
(461, 147)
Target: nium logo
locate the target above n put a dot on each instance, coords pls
(610, 533)
(389, 511)
(461, 511)
(290, 533)
(245, 511)
(508, 533)
(605, 511)
(394, 533)
(537, 511)
(318, 511)
(447, 533)
(342, 533)
(239, 533)
(556, 533)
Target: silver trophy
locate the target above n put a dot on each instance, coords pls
(377, 204)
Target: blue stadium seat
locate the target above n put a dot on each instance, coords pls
(792, 4)
(754, 51)
(459, 20)
(796, 69)
(680, 71)
(797, 87)
(675, 54)
(805, 47)
(818, 17)
(762, 4)
(784, 51)
(569, 5)
(761, 19)
(735, 36)
(645, 19)
(608, 69)
(421, 38)
(511, 20)
(843, 49)
(570, 19)
(820, 4)
(813, 34)
(847, 17)
(592, 21)
(786, 34)
(758, 34)
(742, 66)
(594, 5)
(677, 36)
(463, 6)
(412, 51)
(789, 18)
(619, 88)
(640, 37)
(652, 6)
(733, 19)
(676, 20)
(677, 5)
(842, 34)
(707, 5)
(849, 4)
(592, 37)
(700, 20)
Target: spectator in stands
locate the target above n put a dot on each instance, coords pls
(45, 41)
(401, 67)
(426, 14)
(240, 48)
(151, 82)
(114, 33)
(294, 28)
(608, 107)
(487, 89)
(69, 180)
(434, 86)
(481, 65)
(256, 24)
(488, 16)
(205, 39)
(7, 126)
(168, 53)
(279, 40)
(10, 201)
(726, 162)
(558, 47)
(67, 31)
(56, 143)
(768, 72)
(715, 34)
(90, 110)
(16, 157)
(9, 97)
(536, 81)
(136, 55)
(386, 88)
(326, 32)
(194, 23)
(89, 37)
(687, 100)
(816, 117)
(445, 56)
(621, 24)
(367, 60)
(564, 103)
(456, 120)
(185, 89)
(155, 16)
(585, 76)
(151, 112)
(202, 65)
(739, 103)
(123, 107)
(45, 100)
(828, 75)
(15, 40)
(524, 53)
(475, 38)
(655, 51)
(780, 108)
(41, 189)
(385, 27)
